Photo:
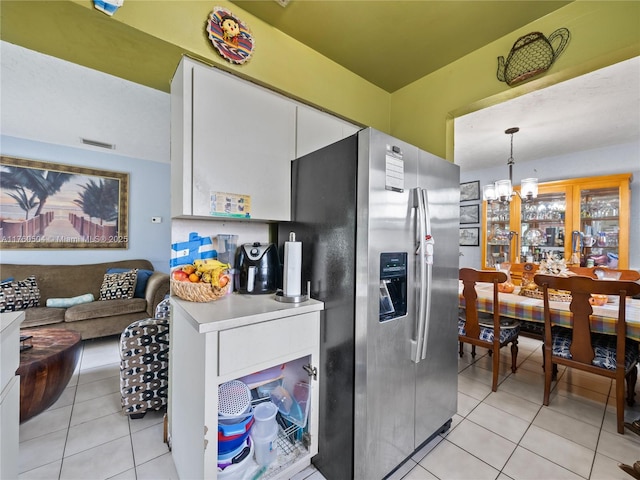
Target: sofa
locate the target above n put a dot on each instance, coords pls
(82, 297)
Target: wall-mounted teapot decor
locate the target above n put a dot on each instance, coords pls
(530, 55)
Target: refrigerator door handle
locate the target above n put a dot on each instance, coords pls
(421, 231)
(428, 266)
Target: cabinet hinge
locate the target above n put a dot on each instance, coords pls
(311, 371)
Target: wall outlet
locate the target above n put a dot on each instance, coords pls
(156, 219)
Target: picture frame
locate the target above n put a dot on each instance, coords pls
(470, 213)
(470, 191)
(470, 236)
(56, 206)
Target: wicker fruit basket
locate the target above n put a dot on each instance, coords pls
(554, 295)
(197, 291)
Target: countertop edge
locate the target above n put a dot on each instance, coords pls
(8, 318)
(236, 310)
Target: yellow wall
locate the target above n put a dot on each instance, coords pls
(278, 62)
(602, 33)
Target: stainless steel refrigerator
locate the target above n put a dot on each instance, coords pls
(378, 220)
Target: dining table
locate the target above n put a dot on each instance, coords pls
(531, 310)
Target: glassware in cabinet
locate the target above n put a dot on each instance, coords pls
(542, 227)
(498, 234)
(600, 226)
(597, 208)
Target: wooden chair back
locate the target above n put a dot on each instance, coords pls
(470, 277)
(477, 335)
(582, 347)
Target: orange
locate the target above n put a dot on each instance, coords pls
(194, 278)
(189, 269)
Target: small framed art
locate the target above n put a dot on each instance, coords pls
(470, 236)
(470, 191)
(470, 213)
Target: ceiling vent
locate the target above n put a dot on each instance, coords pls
(96, 143)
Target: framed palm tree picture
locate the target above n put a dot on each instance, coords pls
(51, 205)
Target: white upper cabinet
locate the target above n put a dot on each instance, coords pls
(232, 143)
(316, 129)
(235, 142)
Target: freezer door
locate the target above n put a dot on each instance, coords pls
(437, 374)
(384, 322)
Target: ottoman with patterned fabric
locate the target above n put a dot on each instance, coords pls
(144, 365)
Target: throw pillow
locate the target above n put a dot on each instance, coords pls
(118, 285)
(143, 278)
(69, 302)
(20, 295)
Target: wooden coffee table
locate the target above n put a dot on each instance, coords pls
(45, 369)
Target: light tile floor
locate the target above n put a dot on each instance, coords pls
(501, 435)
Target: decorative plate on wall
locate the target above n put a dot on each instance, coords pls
(230, 35)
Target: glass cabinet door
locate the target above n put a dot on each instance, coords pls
(600, 226)
(543, 227)
(498, 234)
(583, 220)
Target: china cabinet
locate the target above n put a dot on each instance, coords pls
(583, 220)
(227, 340)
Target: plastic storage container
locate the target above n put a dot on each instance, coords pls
(227, 245)
(265, 446)
(236, 471)
(264, 415)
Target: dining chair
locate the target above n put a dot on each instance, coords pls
(485, 329)
(612, 356)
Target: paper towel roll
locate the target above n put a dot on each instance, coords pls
(292, 267)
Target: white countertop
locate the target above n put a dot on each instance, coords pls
(236, 310)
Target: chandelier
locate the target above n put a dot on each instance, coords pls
(502, 190)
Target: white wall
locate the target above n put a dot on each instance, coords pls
(54, 101)
(602, 161)
(47, 105)
(148, 196)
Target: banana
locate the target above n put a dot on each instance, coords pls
(209, 265)
(210, 270)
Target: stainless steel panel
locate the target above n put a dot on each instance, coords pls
(384, 372)
(345, 218)
(324, 212)
(436, 376)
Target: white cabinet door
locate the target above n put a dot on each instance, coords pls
(316, 129)
(243, 144)
(193, 387)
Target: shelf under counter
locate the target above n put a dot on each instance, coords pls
(238, 310)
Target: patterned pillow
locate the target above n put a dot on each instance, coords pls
(141, 283)
(119, 285)
(21, 295)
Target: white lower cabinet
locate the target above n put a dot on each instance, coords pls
(209, 346)
(9, 393)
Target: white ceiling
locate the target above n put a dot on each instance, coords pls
(595, 110)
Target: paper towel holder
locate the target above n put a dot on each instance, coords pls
(281, 297)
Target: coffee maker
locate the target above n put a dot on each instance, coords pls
(257, 268)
